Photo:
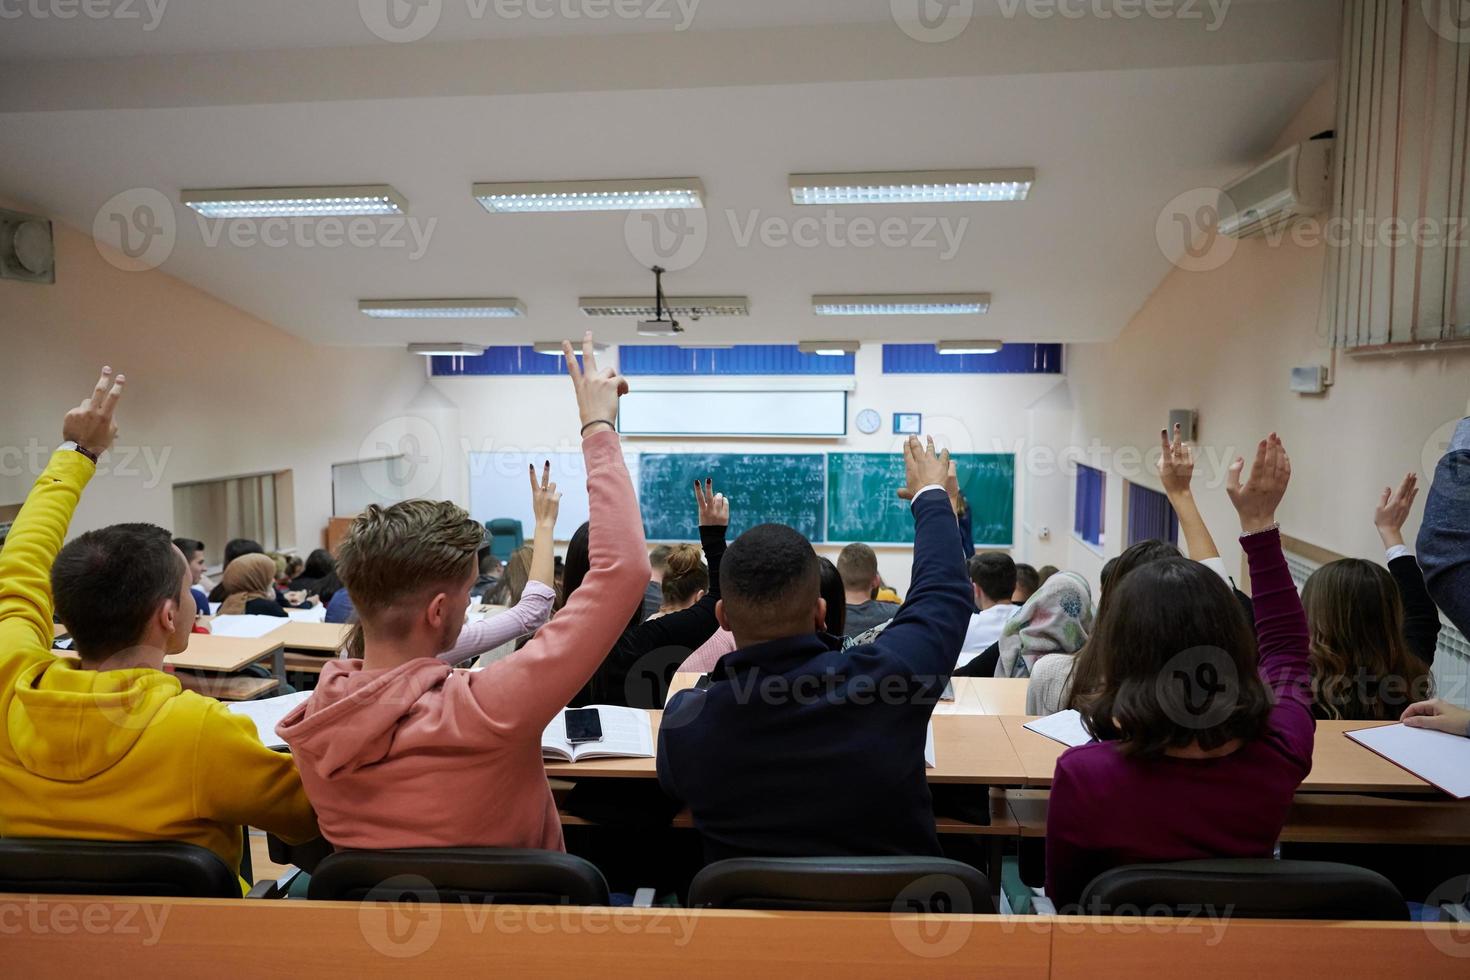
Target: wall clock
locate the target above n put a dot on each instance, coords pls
(869, 421)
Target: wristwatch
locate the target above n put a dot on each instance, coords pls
(71, 444)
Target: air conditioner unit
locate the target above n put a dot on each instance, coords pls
(1289, 185)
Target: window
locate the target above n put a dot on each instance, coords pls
(1091, 499)
(258, 507)
(500, 361)
(1150, 516)
(661, 359)
(1010, 359)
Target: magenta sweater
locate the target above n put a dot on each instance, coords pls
(427, 756)
(1107, 810)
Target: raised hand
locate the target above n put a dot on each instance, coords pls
(90, 425)
(1257, 499)
(923, 467)
(1393, 510)
(598, 391)
(1176, 465)
(545, 498)
(714, 508)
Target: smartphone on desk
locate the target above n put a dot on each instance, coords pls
(583, 725)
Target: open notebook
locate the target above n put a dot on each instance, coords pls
(1064, 726)
(626, 734)
(267, 713)
(251, 627)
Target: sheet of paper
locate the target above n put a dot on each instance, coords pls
(247, 626)
(267, 713)
(929, 760)
(623, 730)
(1064, 726)
(316, 614)
(1437, 758)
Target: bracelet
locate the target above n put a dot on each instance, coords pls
(1273, 526)
(607, 422)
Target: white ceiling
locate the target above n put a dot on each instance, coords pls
(1116, 118)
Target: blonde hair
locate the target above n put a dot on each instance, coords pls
(391, 553)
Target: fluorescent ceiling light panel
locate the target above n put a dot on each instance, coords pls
(591, 195)
(296, 202)
(685, 306)
(446, 349)
(903, 304)
(829, 348)
(969, 346)
(915, 187)
(441, 309)
(553, 347)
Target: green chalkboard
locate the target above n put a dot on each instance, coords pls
(762, 487)
(863, 502)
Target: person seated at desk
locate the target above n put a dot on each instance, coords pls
(993, 577)
(235, 548)
(249, 588)
(1202, 741)
(798, 747)
(193, 552)
(109, 747)
(1444, 536)
(398, 749)
(319, 565)
(1028, 580)
(859, 567)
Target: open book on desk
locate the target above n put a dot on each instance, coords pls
(267, 713)
(627, 733)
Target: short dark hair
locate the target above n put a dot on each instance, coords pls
(1166, 620)
(241, 546)
(107, 583)
(770, 581)
(189, 546)
(319, 564)
(1028, 580)
(858, 565)
(994, 572)
(836, 595)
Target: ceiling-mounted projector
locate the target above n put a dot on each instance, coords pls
(659, 328)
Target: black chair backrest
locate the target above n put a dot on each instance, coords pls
(489, 875)
(45, 866)
(1246, 889)
(843, 884)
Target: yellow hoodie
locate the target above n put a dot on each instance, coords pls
(118, 754)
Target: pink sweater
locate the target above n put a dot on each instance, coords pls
(426, 756)
(703, 660)
(526, 616)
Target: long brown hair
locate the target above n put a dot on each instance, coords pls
(513, 580)
(686, 576)
(1362, 669)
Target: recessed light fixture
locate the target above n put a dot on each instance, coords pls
(441, 309)
(591, 195)
(441, 349)
(915, 187)
(969, 346)
(296, 202)
(903, 304)
(692, 307)
(553, 347)
(829, 348)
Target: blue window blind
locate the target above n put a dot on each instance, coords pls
(1011, 359)
(740, 359)
(1150, 516)
(1091, 499)
(501, 361)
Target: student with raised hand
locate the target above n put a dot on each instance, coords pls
(686, 580)
(400, 750)
(799, 747)
(640, 666)
(1374, 631)
(1444, 536)
(109, 747)
(1205, 730)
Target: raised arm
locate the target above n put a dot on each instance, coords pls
(534, 609)
(693, 626)
(40, 528)
(1421, 616)
(1281, 623)
(521, 694)
(1444, 537)
(923, 641)
(1176, 471)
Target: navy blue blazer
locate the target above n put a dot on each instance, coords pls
(800, 748)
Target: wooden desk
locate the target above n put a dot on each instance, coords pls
(972, 695)
(967, 748)
(1339, 765)
(222, 654)
(323, 638)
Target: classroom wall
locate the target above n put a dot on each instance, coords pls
(1222, 342)
(212, 391)
(967, 413)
